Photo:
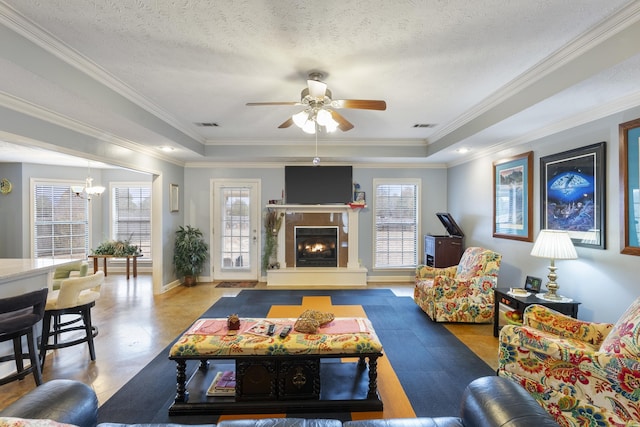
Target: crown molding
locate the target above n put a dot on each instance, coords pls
(24, 107)
(37, 35)
(624, 18)
(321, 142)
(605, 110)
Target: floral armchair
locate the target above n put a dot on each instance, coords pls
(460, 293)
(582, 373)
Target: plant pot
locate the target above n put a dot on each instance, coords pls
(189, 281)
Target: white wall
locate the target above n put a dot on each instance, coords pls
(604, 281)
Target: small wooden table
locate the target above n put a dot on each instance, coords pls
(519, 303)
(104, 264)
(278, 374)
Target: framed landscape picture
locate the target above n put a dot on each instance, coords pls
(512, 189)
(630, 189)
(572, 194)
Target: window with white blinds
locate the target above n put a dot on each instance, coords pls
(131, 215)
(61, 222)
(395, 207)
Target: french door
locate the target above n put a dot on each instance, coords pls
(236, 229)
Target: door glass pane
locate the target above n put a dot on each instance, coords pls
(236, 227)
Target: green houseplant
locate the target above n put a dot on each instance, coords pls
(190, 253)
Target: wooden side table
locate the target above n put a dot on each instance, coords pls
(516, 303)
(104, 263)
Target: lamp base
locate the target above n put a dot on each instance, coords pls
(557, 298)
(553, 296)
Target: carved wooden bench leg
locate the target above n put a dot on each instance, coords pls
(182, 395)
(373, 378)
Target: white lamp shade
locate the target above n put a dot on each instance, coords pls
(323, 117)
(309, 127)
(300, 118)
(554, 244)
(331, 126)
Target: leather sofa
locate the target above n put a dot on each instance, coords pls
(487, 401)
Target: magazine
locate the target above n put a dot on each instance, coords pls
(224, 384)
(262, 328)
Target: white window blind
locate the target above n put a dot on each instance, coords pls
(132, 215)
(61, 222)
(396, 223)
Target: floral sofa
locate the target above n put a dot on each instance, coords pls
(582, 373)
(460, 293)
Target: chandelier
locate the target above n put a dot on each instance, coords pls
(89, 189)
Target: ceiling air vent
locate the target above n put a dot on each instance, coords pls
(208, 124)
(424, 125)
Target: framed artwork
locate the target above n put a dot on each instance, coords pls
(532, 284)
(359, 196)
(174, 199)
(512, 190)
(630, 187)
(572, 194)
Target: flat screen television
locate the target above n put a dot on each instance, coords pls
(318, 185)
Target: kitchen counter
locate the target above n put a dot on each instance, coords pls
(20, 275)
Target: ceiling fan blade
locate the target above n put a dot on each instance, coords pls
(343, 124)
(317, 89)
(253, 104)
(286, 124)
(363, 104)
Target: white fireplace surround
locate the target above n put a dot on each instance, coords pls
(352, 275)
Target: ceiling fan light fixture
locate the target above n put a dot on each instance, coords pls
(300, 118)
(309, 127)
(324, 117)
(331, 126)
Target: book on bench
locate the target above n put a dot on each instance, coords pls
(224, 384)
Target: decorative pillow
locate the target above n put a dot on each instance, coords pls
(310, 320)
(306, 326)
(321, 317)
(624, 337)
(24, 422)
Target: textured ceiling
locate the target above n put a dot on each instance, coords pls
(487, 75)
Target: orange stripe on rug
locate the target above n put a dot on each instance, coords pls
(395, 401)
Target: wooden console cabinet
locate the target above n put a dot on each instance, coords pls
(442, 251)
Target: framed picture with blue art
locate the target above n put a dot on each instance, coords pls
(630, 191)
(512, 189)
(572, 194)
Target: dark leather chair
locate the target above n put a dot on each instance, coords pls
(19, 317)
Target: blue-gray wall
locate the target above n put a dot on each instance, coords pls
(433, 199)
(604, 281)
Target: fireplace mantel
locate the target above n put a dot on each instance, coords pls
(315, 208)
(353, 274)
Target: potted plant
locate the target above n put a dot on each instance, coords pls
(190, 253)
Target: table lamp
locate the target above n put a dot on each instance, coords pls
(553, 244)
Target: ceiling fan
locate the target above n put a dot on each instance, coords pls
(319, 107)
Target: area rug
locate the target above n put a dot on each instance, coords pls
(236, 285)
(432, 365)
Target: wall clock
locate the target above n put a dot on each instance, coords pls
(5, 186)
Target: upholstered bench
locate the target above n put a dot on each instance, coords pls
(283, 371)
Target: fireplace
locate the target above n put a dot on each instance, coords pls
(316, 246)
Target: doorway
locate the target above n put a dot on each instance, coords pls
(235, 230)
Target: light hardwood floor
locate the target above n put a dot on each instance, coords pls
(134, 326)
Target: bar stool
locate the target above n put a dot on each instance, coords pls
(76, 297)
(19, 317)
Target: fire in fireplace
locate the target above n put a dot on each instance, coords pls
(316, 246)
